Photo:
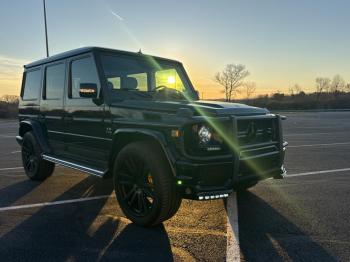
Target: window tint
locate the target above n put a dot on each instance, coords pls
(126, 73)
(113, 83)
(83, 71)
(169, 78)
(141, 79)
(54, 83)
(32, 85)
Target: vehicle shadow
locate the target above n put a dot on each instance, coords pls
(87, 231)
(135, 243)
(12, 193)
(267, 235)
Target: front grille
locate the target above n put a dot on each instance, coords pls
(256, 131)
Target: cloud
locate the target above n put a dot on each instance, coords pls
(10, 67)
(11, 70)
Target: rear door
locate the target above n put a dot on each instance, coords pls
(51, 105)
(85, 134)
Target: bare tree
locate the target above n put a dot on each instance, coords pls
(322, 85)
(295, 89)
(249, 89)
(231, 78)
(9, 99)
(347, 87)
(338, 84)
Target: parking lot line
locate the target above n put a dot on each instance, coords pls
(232, 246)
(310, 145)
(308, 134)
(11, 168)
(69, 201)
(8, 136)
(320, 172)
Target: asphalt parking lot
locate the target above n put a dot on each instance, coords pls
(75, 217)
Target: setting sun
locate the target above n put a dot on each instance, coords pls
(171, 80)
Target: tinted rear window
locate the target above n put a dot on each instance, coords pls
(55, 78)
(32, 85)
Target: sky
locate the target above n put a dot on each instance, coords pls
(280, 42)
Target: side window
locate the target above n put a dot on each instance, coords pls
(114, 83)
(54, 81)
(141, 81)
(32, 85)
(83, 71)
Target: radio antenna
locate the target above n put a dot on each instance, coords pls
(47, 43)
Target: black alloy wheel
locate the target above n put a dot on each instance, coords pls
(144, 184)
(136, 187)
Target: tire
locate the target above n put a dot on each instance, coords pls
(35, 167)
(144, 184)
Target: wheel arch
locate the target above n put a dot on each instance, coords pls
(125, 136)
(30, 125)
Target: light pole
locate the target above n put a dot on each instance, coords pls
(47, 43)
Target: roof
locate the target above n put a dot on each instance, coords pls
(83, 50)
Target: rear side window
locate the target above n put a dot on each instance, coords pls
(54, 81)
(32, 85)
(83, 71)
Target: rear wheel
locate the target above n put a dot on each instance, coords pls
(35, 167)
(144, 184)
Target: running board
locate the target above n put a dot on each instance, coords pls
(79, 167)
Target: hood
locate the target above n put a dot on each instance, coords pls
(226, 108)
(211, 108)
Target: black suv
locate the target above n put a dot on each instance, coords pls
(137, 119)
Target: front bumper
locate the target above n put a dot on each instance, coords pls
(213, 180)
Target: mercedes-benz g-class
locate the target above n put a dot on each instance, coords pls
(137, 119)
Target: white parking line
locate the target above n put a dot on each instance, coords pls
(8, 136)
(306, 134)
(11, 168)
(311, 145)
(320, 172)
(232, 246)
(69, 201)
(15, 152)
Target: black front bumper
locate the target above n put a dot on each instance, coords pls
(212, 180)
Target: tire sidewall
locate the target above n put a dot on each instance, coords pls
(145, 156)
(29, 138)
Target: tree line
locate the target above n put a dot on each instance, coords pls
(8, 106)
(329, 93)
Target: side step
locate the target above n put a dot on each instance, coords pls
(85, 169)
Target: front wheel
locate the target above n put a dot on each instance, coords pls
(144, 184)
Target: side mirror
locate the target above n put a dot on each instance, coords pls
(88, 90)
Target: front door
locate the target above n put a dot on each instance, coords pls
(85, 133)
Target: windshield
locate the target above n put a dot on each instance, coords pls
(145, 77)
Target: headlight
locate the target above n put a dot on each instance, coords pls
(204, 135)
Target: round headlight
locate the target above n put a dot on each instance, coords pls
(204, 135)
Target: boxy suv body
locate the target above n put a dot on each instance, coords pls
(137, 119)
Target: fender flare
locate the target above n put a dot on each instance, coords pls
(38, 132)
(152, 134)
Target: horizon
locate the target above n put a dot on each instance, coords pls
(280, 44)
